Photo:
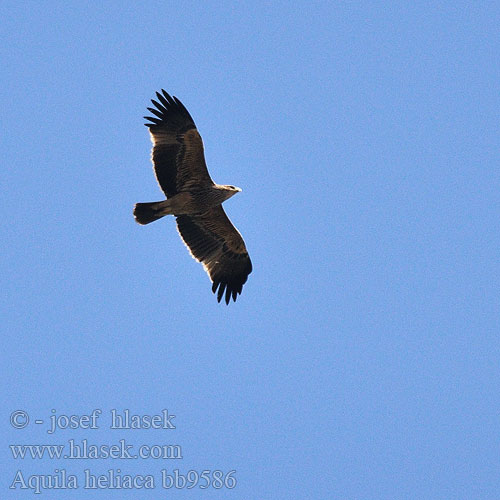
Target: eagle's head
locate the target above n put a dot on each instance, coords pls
(230, 190)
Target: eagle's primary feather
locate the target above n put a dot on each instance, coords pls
(196, 201)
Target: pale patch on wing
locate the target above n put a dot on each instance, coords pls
(206, 258)
(194, 155)
(218, 222)
(192, 169)
(162, 138)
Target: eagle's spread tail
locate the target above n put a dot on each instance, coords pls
(145, 213)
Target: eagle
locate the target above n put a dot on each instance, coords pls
(193, 198)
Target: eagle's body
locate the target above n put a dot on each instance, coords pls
(193, 198)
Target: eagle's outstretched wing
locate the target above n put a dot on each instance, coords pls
(178, 157)
(216, 243)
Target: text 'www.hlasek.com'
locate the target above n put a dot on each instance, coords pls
(68, 454)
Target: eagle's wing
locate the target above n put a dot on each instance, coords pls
(216, 243)
(178, 157)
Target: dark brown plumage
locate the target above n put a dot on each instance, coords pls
(196, 201)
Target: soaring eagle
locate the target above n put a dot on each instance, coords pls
(193, 198)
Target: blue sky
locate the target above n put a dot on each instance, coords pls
(362, 359)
